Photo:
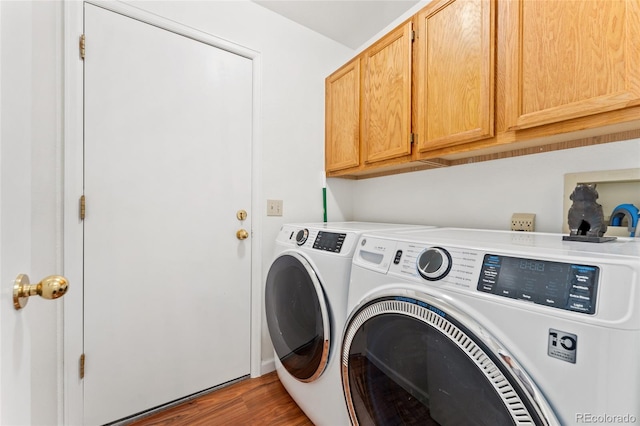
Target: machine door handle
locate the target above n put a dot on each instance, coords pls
(52, 287)
(242, 234)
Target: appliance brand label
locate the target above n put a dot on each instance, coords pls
(562, 345)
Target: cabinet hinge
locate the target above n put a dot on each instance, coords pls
(413, 36)
(83, 207)
(82, 357)
(82, 41)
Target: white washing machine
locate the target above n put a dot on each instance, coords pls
(306, 307)
(473, 327)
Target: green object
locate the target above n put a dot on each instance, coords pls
(324, 204)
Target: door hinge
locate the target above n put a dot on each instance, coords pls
(82, 42)
(83, 207)
(82, 357)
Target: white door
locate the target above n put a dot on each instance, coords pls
(15, 257)
(23, 222)
(15, 224)
(167, 166)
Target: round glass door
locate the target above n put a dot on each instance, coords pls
(297, 317)
(407, 362)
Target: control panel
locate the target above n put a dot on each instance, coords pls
(335, 242)
(329, 241)
(567, 286)
(560, 285)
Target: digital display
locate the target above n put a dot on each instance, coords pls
(329, 241)
(560, 285)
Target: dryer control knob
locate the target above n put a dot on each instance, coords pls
(301, 236)
(434, 263)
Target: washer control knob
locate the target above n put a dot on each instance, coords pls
(301, 236)
(434, 263)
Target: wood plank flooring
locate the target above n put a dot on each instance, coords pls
(259, 401)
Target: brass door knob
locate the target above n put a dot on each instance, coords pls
(242, 234)
(52, 287)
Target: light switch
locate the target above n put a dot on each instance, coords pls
(274, 207)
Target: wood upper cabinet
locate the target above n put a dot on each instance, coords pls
(482, 78)
(569, 59)
(342, 118)
(386, 92)
(454, 73)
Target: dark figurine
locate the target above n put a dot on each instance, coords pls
(585, 215)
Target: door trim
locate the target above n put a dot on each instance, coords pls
(72, 328)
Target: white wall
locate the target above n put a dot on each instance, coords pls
(484, 195)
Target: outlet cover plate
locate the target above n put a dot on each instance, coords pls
(523, 222)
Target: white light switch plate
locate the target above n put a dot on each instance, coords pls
(274, 207)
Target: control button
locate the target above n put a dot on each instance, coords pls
(527, 296)
(396, 260)
(507, 292)
(579, 305)
(485, 287)
(550, 301)
(301, 236)
(489, 275)
(583, 275)
(582, 290)
(434, 263)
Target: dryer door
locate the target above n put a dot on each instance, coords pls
(297, 316)
(408, 361)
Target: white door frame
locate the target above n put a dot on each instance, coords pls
(73, 189)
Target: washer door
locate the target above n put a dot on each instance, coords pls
(407, 362)
(297, 316)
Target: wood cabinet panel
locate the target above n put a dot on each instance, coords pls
(386, 108)
(570, 59)
(455, 73)
(342, 118)
(490, 79)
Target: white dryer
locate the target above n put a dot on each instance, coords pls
(306, 308)
(473, 327)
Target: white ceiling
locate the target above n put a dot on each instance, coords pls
(349, 22)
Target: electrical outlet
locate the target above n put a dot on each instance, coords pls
(523, 222)
(274, 207)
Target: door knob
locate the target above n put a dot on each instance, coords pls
(52, 287)
(242, 234)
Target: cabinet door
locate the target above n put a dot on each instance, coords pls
(455, 73)
(386, 109)
(568, 59)
(342, 118)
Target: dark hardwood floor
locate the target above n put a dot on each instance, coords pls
(259, 401)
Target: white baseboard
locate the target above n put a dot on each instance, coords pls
(267, 366)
